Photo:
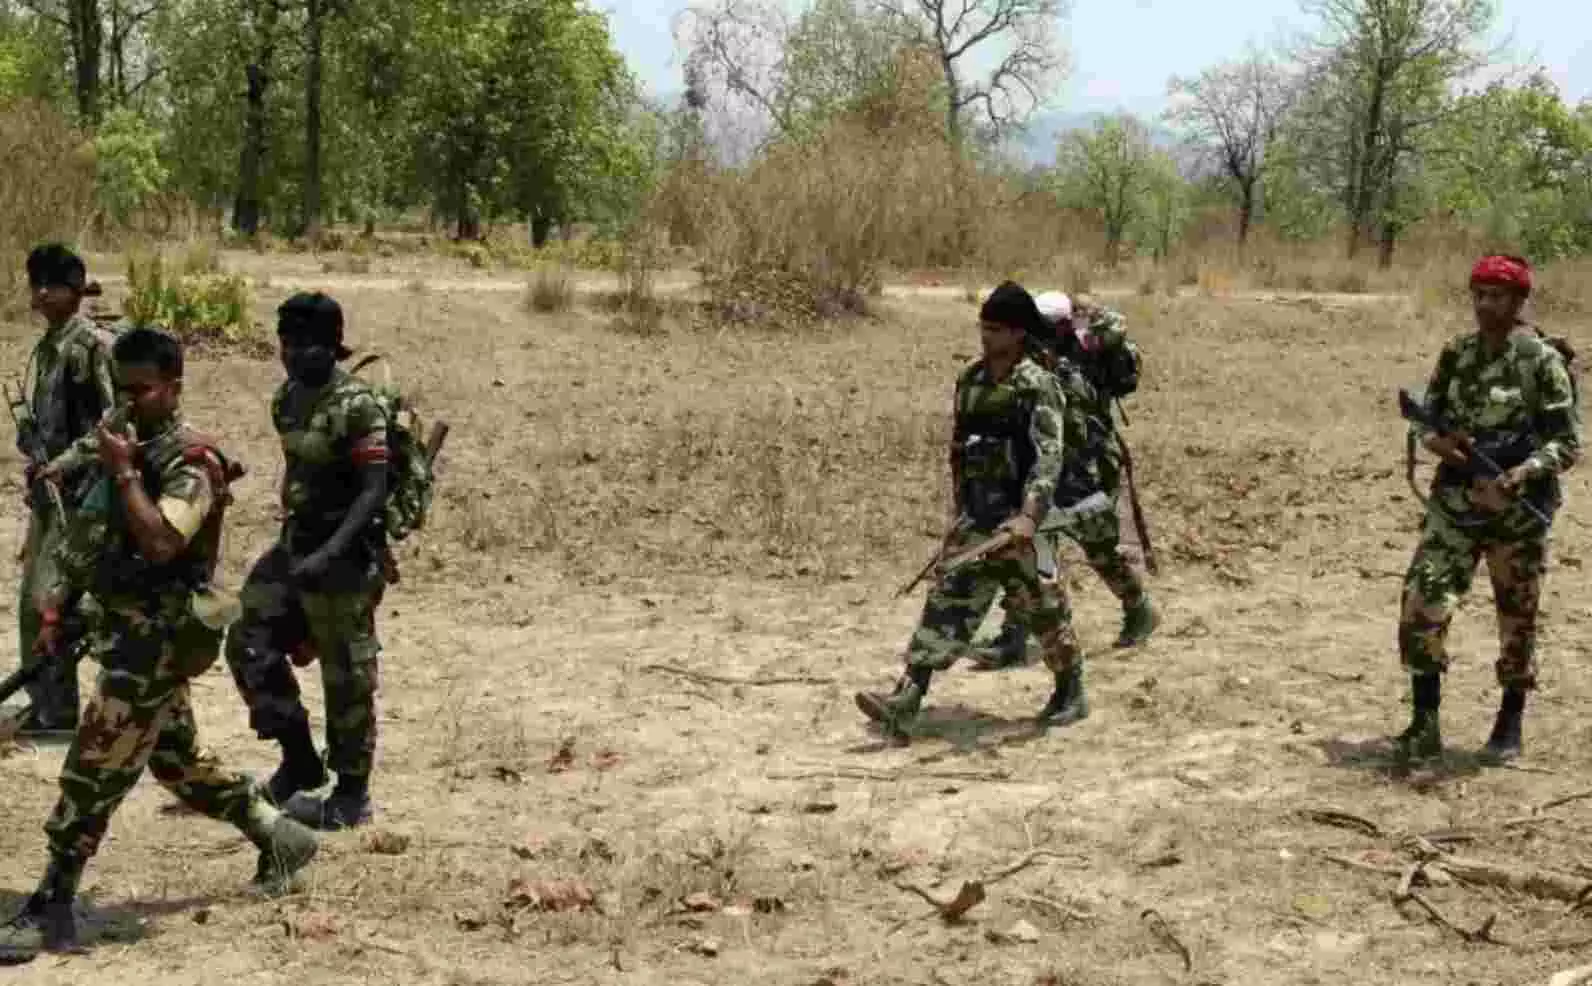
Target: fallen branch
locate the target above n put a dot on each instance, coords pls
(1533, 882)
(1342, 820)
(1482, 934)
(1025, 863)
(1163, 932)
(1330, 675)
(1362, 865)
(866, 774)
(951, 912)
(1547, 806)
(1054, 907)
(703, 678)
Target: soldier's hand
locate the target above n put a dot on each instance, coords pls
(1492, 495)
(48, 642)
(115, 451)
(1021, 527)
(1450, 448)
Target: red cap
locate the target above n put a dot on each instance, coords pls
(1509, 271)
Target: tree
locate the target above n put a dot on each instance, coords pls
(1382, 70)
(958, 31)
(1232, 113)
(1107, 170)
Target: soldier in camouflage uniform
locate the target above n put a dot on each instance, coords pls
(1095, 361)
(144, 546)
(66, 390)
(1506, 392)
(1005, 456)
(316, 591)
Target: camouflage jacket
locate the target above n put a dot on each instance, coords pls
(1087, 438)
(1009, 441)
(184, 473)
(327, 436)
(69, 383)
(1518, 406)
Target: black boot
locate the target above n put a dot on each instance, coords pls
(47, 921)
(1068, 703)
(1008, 650)
(1423, 739)
(1504, 743)
(896, 711)
(301, 768)
(348, 806)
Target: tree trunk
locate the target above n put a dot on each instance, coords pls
(315, 12)
(251, 159)
(1365, 183)
(1246, 212)
(88, 38)
(541, 229)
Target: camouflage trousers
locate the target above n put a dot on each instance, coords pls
(54, 693)
(957, 604)
(278, 619)
(1099, 534)
(1439, 578)
(138, 716)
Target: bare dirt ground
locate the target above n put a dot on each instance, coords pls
(624, 656)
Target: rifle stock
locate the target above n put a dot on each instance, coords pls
(1414, 411)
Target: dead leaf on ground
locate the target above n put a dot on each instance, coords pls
(597, 849)
(529, 847)
(549, 895)
(701, 903)
(606, 760)
(507, 774)
(709, 947)
(563, 759)
(313, 926)
(385, 843)
(468, 921)
(820, 806)
(900, 862)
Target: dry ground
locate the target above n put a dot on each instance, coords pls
(635, 533)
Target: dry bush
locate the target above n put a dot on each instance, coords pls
(550, 290)
(48, 189)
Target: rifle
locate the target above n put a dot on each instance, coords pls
(23, 676)
(1138, 511)
(1414, 411)
(38, 456)
(956, 525)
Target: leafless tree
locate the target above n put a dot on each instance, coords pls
(955, 29)
(1232, 113)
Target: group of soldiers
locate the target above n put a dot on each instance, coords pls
(1501, 411)
(126, 508)
(127, 501)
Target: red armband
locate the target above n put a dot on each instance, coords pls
(50, 617)
(370, 454)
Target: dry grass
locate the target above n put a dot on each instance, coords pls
(48, 190)
(742, 504)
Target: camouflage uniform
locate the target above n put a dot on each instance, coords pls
(326, 439)
(149, 641)
(1094, 465)
(68, 388)
(1008, 446)
(1518, 406)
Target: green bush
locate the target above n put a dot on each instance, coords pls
(202, 308)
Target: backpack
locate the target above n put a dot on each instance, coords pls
(411, 479)
(1112, 362)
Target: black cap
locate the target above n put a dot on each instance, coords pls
(1011, 305)
(55, 265)
(316, 317)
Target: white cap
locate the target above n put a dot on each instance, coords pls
(1054, 306)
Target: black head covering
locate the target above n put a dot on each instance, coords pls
(55, 265)
(1011, 305)
(316, 317)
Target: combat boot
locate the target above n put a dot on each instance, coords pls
(1504, 744)
(1138, 622)
(1007, 650)
(301, 769)
(1423, 740)
(1068, 703)
(348, 806)
(47, 921)
(285, 846)
(897, 711)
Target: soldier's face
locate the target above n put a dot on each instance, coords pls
(1496, 306)
(306, 360)
(999, 340)
(150, 394)
(56, 302)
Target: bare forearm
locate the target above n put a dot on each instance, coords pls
(372, 496)
(151, 534)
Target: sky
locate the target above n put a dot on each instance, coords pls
(1123, 51)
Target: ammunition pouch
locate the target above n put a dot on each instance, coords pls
(992, 489)
(199, 631)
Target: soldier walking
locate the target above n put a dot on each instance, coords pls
(315, 592)
(67, 387)
(1505, 392)
(1096, 363)
(145, 545)
(1005, 456)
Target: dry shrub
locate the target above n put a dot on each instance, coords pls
(47, 192)
(550, 290)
